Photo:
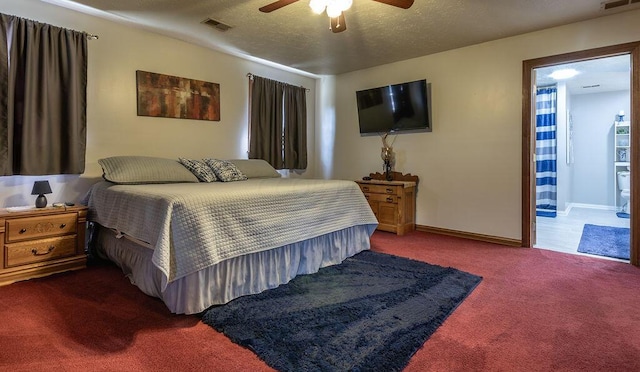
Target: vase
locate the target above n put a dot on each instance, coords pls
(386, 154)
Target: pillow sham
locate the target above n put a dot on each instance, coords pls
(200, 169)
(132, 170)
(255, 168)
(225, 171)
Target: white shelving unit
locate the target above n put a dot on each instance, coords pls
(622, 155)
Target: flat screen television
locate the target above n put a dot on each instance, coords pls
(395, 108)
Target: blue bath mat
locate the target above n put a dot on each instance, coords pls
(605, 241)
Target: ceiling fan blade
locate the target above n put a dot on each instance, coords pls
(338, 24)
(276, 5)
(404, 4)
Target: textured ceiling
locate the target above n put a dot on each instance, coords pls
(376, 33)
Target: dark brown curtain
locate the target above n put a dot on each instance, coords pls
(43, 81)
(265, 141)
(278, 123)
(295, 127)
(5, 165)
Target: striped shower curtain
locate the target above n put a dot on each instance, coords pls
(546, 177)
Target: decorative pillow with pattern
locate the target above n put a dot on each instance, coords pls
(200, 169)
(225, 170)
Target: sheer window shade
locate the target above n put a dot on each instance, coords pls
(278, 123)
(43, 80)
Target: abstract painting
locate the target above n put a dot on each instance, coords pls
(175, 97)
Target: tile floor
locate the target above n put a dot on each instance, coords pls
(563, 233)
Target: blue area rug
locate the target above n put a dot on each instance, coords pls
(605, 241)
(370, 313)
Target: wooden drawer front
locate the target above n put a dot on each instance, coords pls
(20, 229)
(380, 189)
(37, 251)
(387, 214)
(382, 198)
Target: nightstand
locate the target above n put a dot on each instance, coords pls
(41, 241)
(393, 203)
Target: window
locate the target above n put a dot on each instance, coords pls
(43, 80)
(278, 123)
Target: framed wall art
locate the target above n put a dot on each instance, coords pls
(175, 97)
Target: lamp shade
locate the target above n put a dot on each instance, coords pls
(40, 188)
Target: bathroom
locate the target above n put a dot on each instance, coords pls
(591, 151)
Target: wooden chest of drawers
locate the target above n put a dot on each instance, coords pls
(39, 242)
(393, 203)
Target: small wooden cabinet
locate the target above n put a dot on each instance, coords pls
(393, 203)
(41, 241)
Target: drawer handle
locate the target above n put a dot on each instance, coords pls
(22, 231)
(366, 196)
(390, 200)
(63, 225)
(389, 191)
(365, 188)
(36, 253)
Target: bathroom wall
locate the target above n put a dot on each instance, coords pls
(593, 172)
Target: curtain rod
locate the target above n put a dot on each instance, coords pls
(87, 35)
(250, 76)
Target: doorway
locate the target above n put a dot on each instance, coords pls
(529, 224)
(579, 106)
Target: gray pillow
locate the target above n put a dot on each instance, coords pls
(200, 169)
(255, 168)
(225, 171)
(133, 170)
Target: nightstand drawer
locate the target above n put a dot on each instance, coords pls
(382, 198)
(379, 189)
(27, 228)
(41, 250)
(38, 242)
(392, 202)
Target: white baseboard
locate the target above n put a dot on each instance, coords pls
(565, 212)
(590, 206)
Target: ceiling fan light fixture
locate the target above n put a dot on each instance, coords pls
(332, 7)
(318, 6)
(345, 4)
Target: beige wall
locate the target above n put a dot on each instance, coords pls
(470, 165)
(113, 127)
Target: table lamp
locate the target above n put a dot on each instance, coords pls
(40, 188)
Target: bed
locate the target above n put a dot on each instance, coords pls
(195, 243)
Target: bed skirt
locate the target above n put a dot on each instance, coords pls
(235, 277)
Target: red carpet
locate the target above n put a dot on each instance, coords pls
(535, 310)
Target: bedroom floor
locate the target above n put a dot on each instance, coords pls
(529, 313)
(562, 233)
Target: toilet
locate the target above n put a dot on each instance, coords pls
(624, 184)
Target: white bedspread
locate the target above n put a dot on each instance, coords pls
(195, 225)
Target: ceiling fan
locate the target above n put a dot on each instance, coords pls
(334, 9)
